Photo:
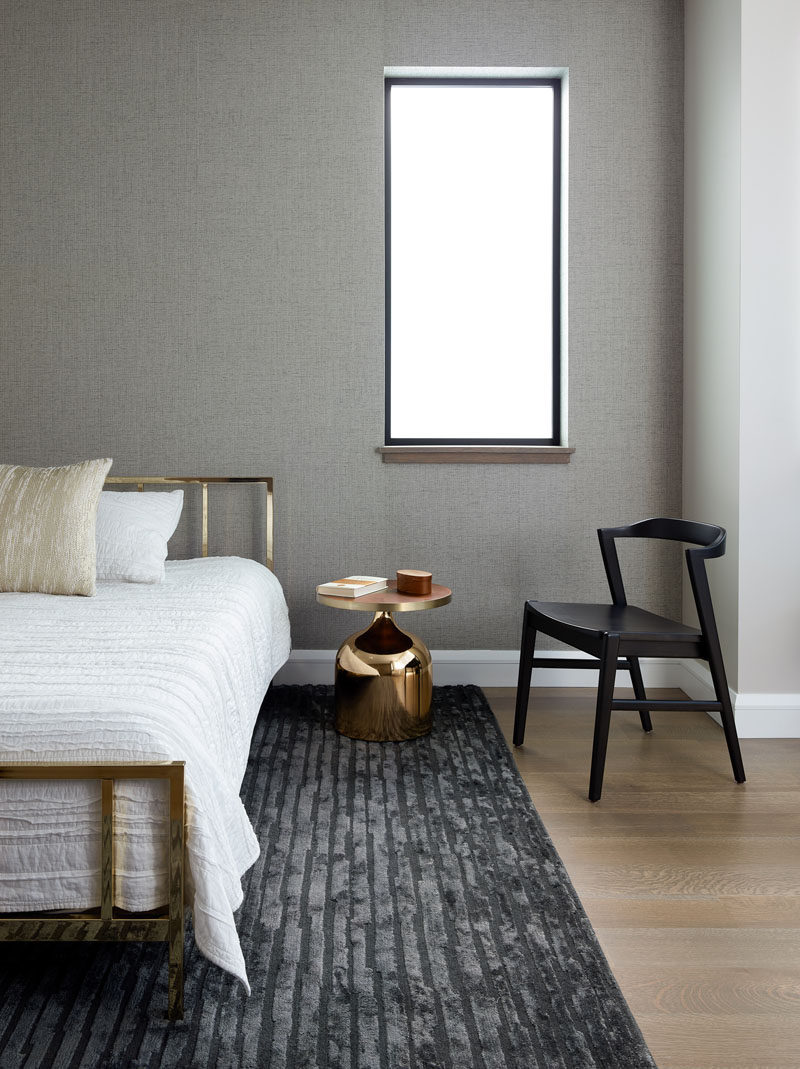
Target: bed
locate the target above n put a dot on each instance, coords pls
(136, 687)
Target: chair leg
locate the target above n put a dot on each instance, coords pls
(602, 719)
(638, 690)
(717, 667)
(527, 646)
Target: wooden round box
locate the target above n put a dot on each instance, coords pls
(413, 581)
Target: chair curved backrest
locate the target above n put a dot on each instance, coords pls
(708, 540)
(700, 534)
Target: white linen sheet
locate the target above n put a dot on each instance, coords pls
(140, 672)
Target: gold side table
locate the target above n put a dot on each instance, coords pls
(384, 677)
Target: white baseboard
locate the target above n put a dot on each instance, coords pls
(484, 668)
(499, 668)
(307, 666)
(758, 716)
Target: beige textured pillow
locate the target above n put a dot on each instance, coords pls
(47, 522)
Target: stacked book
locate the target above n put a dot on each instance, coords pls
(353, 586)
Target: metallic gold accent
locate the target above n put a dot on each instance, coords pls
(384, 683)
(114, 925)
(161, 480)
(390, 601)
(177, 846)
(270, 526)
(205, 520)
(107, 850)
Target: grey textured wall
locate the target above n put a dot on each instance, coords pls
(192, 279)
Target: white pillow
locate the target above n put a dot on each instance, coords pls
(132, 534)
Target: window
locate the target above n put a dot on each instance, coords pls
(472, 261)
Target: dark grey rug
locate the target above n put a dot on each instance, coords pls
(408, 910)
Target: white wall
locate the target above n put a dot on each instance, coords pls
(742, 337)
(769, 597)
(711, 296)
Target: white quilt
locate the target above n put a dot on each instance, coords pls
(171, 671)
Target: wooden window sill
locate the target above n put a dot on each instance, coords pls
(475, 454)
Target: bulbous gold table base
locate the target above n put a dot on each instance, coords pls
(384, 683)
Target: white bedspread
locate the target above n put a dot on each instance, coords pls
(172, 671)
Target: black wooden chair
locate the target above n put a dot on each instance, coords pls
(619, 634)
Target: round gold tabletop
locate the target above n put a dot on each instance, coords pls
(389, 600)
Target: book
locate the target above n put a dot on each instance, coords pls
(353, 586)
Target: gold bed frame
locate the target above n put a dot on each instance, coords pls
(108, 923)
(140, 482)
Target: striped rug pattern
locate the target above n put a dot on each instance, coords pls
(408, 910)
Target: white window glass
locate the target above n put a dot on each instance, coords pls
(472, 262)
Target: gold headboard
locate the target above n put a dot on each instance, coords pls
(140, 481)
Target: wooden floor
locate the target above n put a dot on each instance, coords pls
(691, 881)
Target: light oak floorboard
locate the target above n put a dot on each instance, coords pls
(691, 881)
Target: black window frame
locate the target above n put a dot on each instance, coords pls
(556, 85)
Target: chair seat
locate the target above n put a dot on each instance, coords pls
(627, 621)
